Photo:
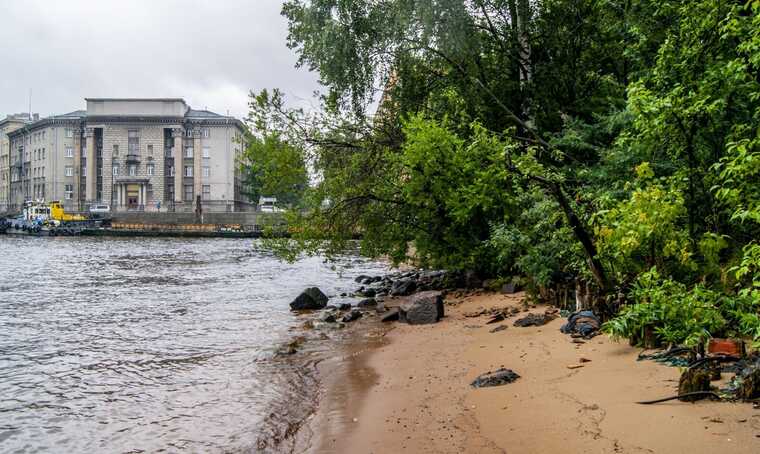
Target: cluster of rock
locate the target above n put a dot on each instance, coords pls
(423, 305)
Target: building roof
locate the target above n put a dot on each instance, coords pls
(135, 99)
(75, 114)
(192, 113)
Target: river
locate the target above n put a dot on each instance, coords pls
(146, 345)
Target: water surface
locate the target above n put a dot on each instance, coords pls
(145, 345)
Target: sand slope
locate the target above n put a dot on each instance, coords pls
(412, 394)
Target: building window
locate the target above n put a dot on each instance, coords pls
(83, 172)
(188, 171)
(207, 171)
(69, 191)
(69, 152)
(188, 152)
(116, 169)
(43, 154)
(133, 144)
(69, 171)
(115, 149)
(188, 133)
(171, 171)
(150, 150)
(69, 133)
(149, 169)
(132, 169)
(206, 152)
(188, 192)
(149, 192)
(206, 192)
(206, 133)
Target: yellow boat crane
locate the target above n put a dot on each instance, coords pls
(58, 214)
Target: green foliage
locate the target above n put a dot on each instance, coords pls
(647, 229)
(273, 163)
(675, 314)
(557, 139)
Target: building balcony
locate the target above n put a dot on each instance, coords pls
(133, 159)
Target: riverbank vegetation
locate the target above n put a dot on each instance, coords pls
(604, 149)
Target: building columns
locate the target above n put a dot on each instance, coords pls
(77, 192)
(178, 167)
(197, 160)
(91, 177)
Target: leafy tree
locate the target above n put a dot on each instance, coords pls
(272, 165)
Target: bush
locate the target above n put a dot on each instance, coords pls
(667, 308)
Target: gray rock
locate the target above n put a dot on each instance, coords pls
(403, 287)
(328, 317)
(422, 308)
(497, 378)
(344, 306)
(355, 314)
(360, 279)
(369, 302)
(368, 292)
(310, 299)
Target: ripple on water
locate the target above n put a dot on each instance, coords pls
(134, 345)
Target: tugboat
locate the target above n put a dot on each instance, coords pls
(34, 220)
(40, 219)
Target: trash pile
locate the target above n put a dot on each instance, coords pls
(583, 324)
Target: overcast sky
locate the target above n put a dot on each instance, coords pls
(209, 52)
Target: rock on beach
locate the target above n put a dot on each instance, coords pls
(310, 299)
(422, 308)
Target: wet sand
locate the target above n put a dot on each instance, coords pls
(408, 390)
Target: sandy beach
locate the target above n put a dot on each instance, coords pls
(407, 389)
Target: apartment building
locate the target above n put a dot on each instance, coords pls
(132, 154)
(9, 124)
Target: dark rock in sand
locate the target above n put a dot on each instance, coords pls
(496, 318)
(310, 299)
(355, 314)
(369, 302)
(534, 320)
(403, 287)
(497, 378)
(344, 306)
(422, 308)
(390, 316)
(498, 328)
(328, 317)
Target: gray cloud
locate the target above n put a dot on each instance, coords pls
(210, 52)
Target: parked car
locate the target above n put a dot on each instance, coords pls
(100, 209)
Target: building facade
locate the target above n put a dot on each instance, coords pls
(131, 154)
(8, 125)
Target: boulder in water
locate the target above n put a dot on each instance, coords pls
(310, 299)
(403, 287)
(369, 302)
